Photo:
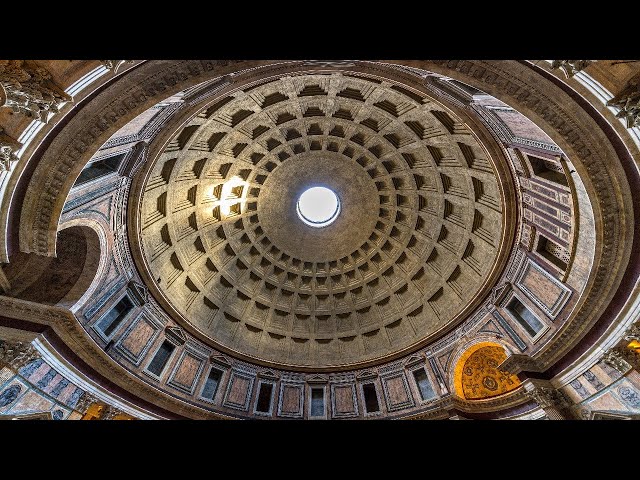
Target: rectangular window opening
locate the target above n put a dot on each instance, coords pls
(553, 252)
(264, 398)
(548, 170)
(370, 398)
(99, 168)
(525, 317)
(211, 384)
(317, 402)
(161, 358)
(114, 317)
(424, 385)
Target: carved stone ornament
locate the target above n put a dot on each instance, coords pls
(8, 148)
(17, 354)
(29, 90)
(517, 363)
(548, 398)
(109, 412)
(633, 333)
(571, 67)
(615, 359)
(114, 64)
(84, 402)
(628, 101)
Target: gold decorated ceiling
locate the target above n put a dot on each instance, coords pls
(477, 375)
(419, 229)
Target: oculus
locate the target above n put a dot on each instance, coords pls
(318, 206)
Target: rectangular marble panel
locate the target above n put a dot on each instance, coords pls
(291, 400)
(238, 391)
(544, 290)
(31, 402)
(186, 372)
(51, 387)
(12, 393)
(396, 391)
(67, 392)
(137, 339)
(543, 190)
(343, 401)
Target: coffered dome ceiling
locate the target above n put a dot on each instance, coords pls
(479, 258)
(409, 255)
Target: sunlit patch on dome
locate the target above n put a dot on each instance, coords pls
(232, 196)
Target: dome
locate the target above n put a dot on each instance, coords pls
(421, 215)
(308, 239)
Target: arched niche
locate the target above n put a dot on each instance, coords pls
(100, 252)
(61, 280)
(476, 375)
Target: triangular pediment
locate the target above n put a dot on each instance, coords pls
(444, 360)
(268, 374)
(139, 291)
(317, 379)
(368, 375)
(605, 415)
(175, 335)
(491, 327)
(414, 360)
(220, 360)
(498, 293)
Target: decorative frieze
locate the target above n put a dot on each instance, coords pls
(29, 90)
(17, 354)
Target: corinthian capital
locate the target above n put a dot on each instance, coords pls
(628, 101)
(548, 397)
(84, 402)
(29, 90)
(633, 333)
(110, 412)
(616, 359)
(8, 148)
(114, 64)
(571, 67)
(17, 354)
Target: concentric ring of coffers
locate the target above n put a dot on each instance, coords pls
(419, 228)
